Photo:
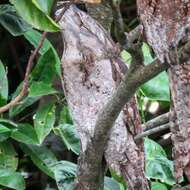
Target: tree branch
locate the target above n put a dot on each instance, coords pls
(160, 120)
(187, 187)
(133, 79)
(152, 131)
(124, 92)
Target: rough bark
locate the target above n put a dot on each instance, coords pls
(92, 71)
(166, 27)
(101, 12)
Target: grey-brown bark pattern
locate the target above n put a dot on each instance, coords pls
(166, 27)
(92, 70)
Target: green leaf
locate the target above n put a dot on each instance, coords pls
(3, 85)
(70, 137)
(42, 157)
(34, 37)
(41, 89)
(147, 54)
(153, 149)
(11, 179)
(45, 6)
(11, 21)
(158, 186)
(158, 87)
(160, 168)
(4, 133)
(111, 184)
(32, 14)
(157, 165)
(4, 129)
(25, 133)
(119, 179)
(8, 123)
(8, 156)
(44, 120)
(126, 57)
(45, 69)
(41, 81)
(65, 173)
(65, 116)
(26, 102)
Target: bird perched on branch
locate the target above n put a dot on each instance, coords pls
(166, 25)
(92, 70)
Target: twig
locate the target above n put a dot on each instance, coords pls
(160, 120)
(119, 28)
(177, 187)
(24, 90)
(30, 64)
(152, 131)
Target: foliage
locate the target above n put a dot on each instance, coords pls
(49, 114)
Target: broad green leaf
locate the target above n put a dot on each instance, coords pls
(45, 6)
(4, 129)
(147, 54)
(3, 85)
(25, 133)
(153, 149)
(45, 72)
(42, 157)
(41, 89)
(160, 168)
(8, 123)
(70, 137)
(11, 179)
(126, 57)
(158, 186)
(8, 156)
(65, 116)
(11, 21)
(157, 165)
(34, 37)
(44, 120)
(4, 133)
(119, 179)
(4, 123)
(26, 102)
(158, 87)
(65, 173)
(111, 184)
(45, 69)
(32, 14)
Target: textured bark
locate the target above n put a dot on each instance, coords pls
(92, 70)
(101, 12)
(166, 27)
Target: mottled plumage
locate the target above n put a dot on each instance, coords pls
(166, 26)
(92, 71)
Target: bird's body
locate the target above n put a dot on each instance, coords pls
(166, 25)
(92, 71)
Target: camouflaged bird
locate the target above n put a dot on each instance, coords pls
(166, 25)
(92, 70)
